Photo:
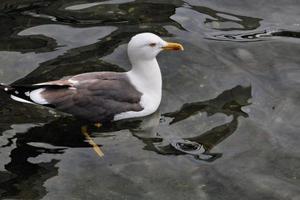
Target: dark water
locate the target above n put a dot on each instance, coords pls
(228, 126)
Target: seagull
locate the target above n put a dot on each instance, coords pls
(105, 96)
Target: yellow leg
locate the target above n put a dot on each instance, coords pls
(96, 148)
(98, 125)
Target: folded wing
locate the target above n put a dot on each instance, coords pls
(92, 96)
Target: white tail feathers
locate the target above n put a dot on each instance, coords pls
(24, 95)
(20, 100)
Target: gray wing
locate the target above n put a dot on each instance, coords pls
(95, 96)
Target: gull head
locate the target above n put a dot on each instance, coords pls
(146, 46)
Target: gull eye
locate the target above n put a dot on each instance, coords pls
(152, 44)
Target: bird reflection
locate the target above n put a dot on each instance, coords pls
(65, 133)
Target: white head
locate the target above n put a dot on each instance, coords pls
(146, 46)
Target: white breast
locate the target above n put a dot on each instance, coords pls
(146, 80)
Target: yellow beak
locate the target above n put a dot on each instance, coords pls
(173, 46)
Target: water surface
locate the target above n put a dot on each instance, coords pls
(228, 126)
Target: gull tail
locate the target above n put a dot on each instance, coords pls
(29, 93)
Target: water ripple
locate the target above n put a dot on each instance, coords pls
(253, 36)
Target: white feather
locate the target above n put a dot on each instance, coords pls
(37, 97)
(73, 81)
(19, 99)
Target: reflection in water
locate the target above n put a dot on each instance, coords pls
(229, 102)
(25, 179)
(227, 21)
(89, 5)
(22, 176)
(125, 19)
(42, 36)
(254, 36)
(71, 63)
